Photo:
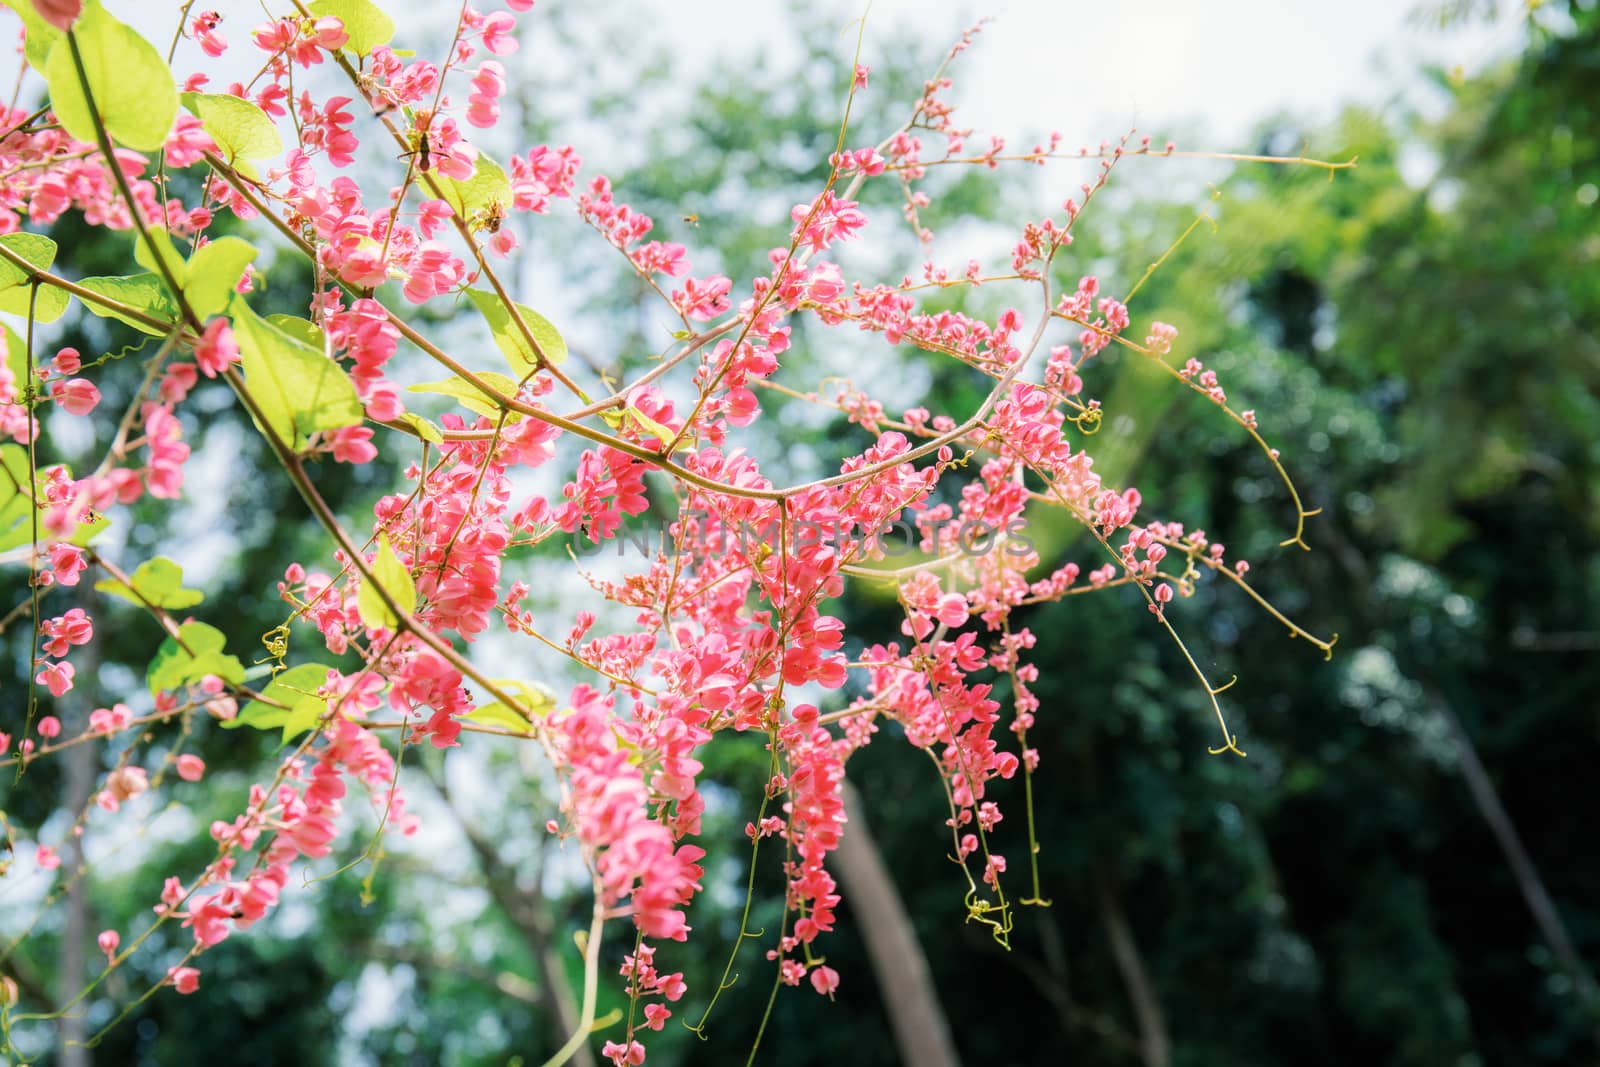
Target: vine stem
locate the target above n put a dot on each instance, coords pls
(88, 296)
(33, 519)
(591, 979)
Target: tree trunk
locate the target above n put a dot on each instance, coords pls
(1534, 894)
(1154, 1045)
(78, 780)
(920, 1030)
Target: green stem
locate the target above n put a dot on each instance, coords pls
(33, 520)
(44, 277)
(591, 977)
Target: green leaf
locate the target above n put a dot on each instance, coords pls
(298, 388)
(293, 688)
(132, 87)
(509, 338)
(489, 184)
(536, 698)
(15, 499)
(498, 715)
(142, 292)
(665, 433)
(248, 170)
(207, 279)
(200, 653)
(367, 25)
(240, 128)
(392, 575)
(212, 273)
(159, 582)
(469, 395)
(425, 429)
(15, 284)
(16, 359)
(304, 716)
(303, 329)
(157, 250)
(41, 35)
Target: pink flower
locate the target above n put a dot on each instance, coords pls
(497, 33)
(77, 395)
(703, 299)
(49, 727)
(383, 401)
(216, 350)
(329, 32)
(275, 36)
(108, 942)
(488, 85)
(125, 783)
(661, 258)
(184, 979)
(176, 383)
(164, 438)
(824, 980)
(66, 561)
(188, 142)
(503, 243)
(434, 270)
(336, 136)
(73, 628)
(59, 13)
(353, 444)
(57, 677)
(191, 768)
(431, 215)
(46, 857)
(952, 610)
(110, 720)
(67, 361)
(629, 1055)
(270, 99)
(204, 29)
(825, 220)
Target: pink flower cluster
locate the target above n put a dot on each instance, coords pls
(300, 816)
(636, 858)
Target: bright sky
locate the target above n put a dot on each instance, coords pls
(1093, 69)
